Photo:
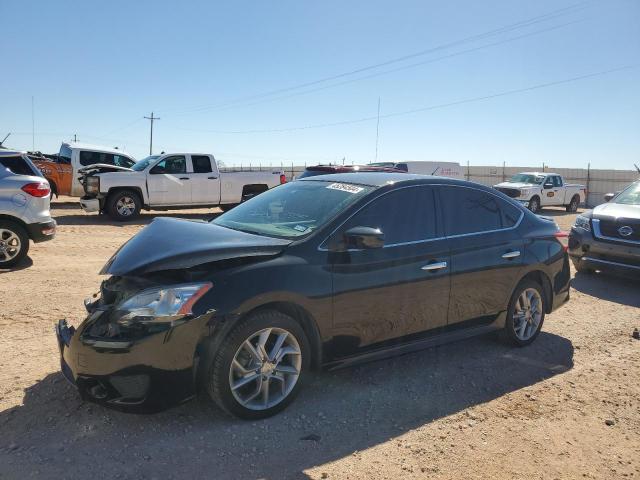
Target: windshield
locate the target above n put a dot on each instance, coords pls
(294, 209)
(527, 178)
(144, 163)
(630, 196)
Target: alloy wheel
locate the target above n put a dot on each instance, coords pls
(125, 206)
(265, 368)
(527, 314)
(10, 245)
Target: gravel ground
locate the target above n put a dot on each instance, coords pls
(565, 407)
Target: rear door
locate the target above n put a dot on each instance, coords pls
(205, 180)
(169, 183)
(486, 252)
(401, 289)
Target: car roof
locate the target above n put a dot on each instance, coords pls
(95, 148)
(538, 173)
(11, 153)
(351, 168)
(379, 179)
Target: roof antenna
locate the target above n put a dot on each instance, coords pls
(635, 165)
(7, 136)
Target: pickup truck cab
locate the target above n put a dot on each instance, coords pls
(542, 189)
(62, 173)
(170, 181)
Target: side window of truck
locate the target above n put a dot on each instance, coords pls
(201, 164)
(557, 181)
(175, 164)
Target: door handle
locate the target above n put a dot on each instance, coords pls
(431, 267)
(512, 254)
(212, 178)
(184, 178)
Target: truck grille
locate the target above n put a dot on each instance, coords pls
(613, 228)
(511, 192)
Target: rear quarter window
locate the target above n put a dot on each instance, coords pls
(17, 165)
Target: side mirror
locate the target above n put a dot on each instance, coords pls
(609, 196)
(548, 186)
(364, 237)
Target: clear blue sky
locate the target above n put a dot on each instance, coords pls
(96, 68)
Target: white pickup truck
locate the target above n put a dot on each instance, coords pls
(537, 190)
(169, 181)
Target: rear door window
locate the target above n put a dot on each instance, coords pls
(16, 164)
(201, 164)
(405, 215)
(467, 211)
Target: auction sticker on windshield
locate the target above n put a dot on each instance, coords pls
(345, 187)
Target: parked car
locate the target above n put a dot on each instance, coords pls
(329, 169)
(326, 271)
(24, 207)
(608, 237)
(62, 172)
(441, 169)
(539, 189)
(172, 180)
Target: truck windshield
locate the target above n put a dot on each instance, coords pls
(630, 196)
(144, 163)
(527, 178)
(294, 209)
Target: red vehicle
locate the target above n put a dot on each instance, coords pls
(327, 169)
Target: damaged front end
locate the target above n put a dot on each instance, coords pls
(136, 349)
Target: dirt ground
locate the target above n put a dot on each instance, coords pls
(567, 406)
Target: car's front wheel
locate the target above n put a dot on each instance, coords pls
(525, 314)
(534, 204)
(123, 205)
(258, 367)
(14, 244)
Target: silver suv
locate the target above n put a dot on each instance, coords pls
(24, 207)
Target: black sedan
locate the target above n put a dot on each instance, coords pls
(323, 272)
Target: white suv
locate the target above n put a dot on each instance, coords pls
(24, 207)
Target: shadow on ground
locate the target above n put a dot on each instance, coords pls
(24, 264)
(56, 435)
(609, 287)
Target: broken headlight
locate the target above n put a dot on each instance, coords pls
(582, 222)
(161, 304)
(93, 185)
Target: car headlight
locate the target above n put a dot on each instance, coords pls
(524, 192)
(162, 304)
(582, 222)
(93, 184)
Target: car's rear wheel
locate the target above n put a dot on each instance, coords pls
(525, 314)
(14, 244)
(123, 205)
(257, 369)
(573, 206)
(534, 204)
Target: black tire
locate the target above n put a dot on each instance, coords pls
(228, 206)
(509, 332)
(573, 206)
(217, 380)
(534, 204)
(127, 197)
(8, 230)
(581, 268)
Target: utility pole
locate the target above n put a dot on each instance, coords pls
(33, 127)
(152, 118)
(377, 129)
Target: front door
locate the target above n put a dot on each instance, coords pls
(486, 252)
(169, 183)
(550, 192)
(400, 289)
(205, 180)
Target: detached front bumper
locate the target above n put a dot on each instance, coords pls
(143, 376)
(90, 204)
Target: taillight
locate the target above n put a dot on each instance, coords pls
(563, 238)
(36, 189)
(283, 178)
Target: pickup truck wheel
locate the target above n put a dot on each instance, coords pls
(123, 205)
(14, 244)
(573, 206)
(534, 204)
(259, 366)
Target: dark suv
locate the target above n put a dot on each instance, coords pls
(608, 237)
(327, 271)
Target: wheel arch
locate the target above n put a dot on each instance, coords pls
(542, 279)
(15, 220)
(136, 190)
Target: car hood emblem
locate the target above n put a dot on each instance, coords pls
(625, 231)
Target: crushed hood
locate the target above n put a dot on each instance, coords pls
(170, 243)
(102, 168)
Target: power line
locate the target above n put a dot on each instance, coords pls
(423, 109)
(514, 26)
